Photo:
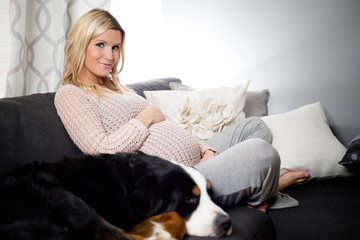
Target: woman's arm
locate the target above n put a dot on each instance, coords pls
(82, 122)
(207, 155)
(150, 115)
(207, 152)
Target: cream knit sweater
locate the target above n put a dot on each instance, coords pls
(108, 125)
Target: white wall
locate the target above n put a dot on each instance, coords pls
(303, 51)
(142, 22)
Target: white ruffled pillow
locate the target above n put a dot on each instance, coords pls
(203, 112)
(305, 141)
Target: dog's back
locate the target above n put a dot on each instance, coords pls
(124, 189)
(34, 206)
(103, 181)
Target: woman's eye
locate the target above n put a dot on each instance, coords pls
(115, 47)
(101, 45)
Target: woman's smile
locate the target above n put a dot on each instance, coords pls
(101, 55)
(106, 65)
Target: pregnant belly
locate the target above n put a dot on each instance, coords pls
(171, 142)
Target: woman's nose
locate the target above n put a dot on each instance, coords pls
(109, 54)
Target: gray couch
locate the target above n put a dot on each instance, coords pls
(30, 130)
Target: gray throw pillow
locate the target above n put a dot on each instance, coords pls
(152, 85)
(351, 159)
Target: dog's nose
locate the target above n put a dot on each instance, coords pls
(224, 223)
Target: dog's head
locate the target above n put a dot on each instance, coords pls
(162, 186)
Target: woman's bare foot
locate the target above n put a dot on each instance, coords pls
(262, 207)
(292, 178)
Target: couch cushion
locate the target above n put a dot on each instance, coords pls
(305, 142)
(247, 224)
(151, 85)
(329, 209)
(256, 103)
(32, 131)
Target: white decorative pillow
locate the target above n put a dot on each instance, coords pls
(203, 112)
(255, 102)
(305, 141)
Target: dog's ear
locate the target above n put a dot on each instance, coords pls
(146, 198)
(145, 201)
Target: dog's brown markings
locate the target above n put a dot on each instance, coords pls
(176, 226)
(171, 222)
(196, 191)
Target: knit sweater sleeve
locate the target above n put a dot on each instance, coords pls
(84, 126)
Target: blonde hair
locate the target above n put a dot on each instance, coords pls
(89, 26)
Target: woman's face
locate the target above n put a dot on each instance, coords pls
(101, 55)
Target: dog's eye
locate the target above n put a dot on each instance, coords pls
(191, 199)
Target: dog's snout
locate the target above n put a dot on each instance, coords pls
(224, 223)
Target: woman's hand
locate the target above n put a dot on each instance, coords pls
(150, 116)
(207, 155)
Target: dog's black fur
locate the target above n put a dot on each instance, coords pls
(57, 200)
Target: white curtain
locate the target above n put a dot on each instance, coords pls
(39, 29)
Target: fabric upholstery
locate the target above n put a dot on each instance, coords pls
(256, 103)
(32, 131)
(329, 209)
(151, 85)
(351, 159)
(248, 224)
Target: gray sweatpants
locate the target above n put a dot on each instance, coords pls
(246, 169)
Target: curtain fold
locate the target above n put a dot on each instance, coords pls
(39, 29)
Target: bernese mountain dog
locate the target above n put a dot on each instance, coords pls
(117, 196)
